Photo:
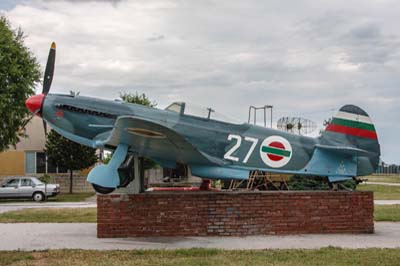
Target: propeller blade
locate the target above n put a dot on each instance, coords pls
(45, 128)
(30, 118)
(49, 72)
(27, 121)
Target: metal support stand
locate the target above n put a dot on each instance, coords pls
(137, 185)
(259, 180)
(138, 181)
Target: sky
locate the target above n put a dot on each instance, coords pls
(306, 58)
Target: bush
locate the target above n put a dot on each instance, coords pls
(308, 183)
(45, 178)
(317, 183)
(349, 184)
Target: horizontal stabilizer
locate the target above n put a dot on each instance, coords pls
(332, 162)
(342, 150)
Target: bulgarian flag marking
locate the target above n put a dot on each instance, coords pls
(353, 124)
(276, 151)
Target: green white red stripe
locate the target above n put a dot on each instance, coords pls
(354, 117)
(275, 151)
(353, 124)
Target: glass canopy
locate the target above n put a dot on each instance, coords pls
(198, 111)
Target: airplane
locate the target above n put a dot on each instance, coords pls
(212, 149)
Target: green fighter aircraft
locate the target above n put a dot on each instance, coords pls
(209, 148)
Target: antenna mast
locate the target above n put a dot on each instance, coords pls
(255, 109)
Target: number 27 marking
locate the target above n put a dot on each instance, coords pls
(228, 155)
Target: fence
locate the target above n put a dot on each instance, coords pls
(388, 170)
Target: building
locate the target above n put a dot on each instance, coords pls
(28, 157)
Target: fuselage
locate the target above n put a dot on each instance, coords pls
(86, 118)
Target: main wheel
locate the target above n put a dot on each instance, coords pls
(103, 190)
(38, 196)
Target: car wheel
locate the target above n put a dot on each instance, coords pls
(38, 196)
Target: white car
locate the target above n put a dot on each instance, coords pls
(27, 187)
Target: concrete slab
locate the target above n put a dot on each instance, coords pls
(34, 236)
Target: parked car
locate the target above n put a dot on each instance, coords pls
(27, 187)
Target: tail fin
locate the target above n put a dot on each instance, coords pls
(353, 127)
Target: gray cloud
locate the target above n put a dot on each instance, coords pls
(86, 1)
(156, 37)
(303, 57)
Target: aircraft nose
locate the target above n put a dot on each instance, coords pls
(34, 103)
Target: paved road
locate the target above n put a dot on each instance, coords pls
(382, 183)
(34, 236)
(5, 207)
(386, 202)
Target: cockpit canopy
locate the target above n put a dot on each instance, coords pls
(177, 107)
(198, 111)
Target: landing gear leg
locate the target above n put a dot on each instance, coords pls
(105, 178)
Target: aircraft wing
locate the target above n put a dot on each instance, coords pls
(152, 140)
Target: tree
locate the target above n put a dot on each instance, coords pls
(143, 100)
(19, 71)
(137, 98)
(68, 154)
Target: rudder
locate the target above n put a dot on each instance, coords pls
(352, 126)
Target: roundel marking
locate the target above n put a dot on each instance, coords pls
(275, 151)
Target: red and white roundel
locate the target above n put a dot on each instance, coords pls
(275, 151)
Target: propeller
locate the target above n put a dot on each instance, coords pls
(35, 102)
(48, 76)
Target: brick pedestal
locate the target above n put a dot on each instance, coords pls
(234, 213)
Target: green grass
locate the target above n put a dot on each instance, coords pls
(75, 197)
(383, 178)
(188, 257)
(387, 213)
(66, 215)
(382, 192)
(63, 197)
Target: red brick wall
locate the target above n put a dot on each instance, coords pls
(234, 213)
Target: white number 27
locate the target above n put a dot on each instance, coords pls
(228, 155)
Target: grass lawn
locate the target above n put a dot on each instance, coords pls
(383, 178)
(324, 256)
(387, 213)
(66, 215)
(74, 197)
(63, 197)
(382, 192)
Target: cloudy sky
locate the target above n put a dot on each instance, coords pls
(304, 57)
